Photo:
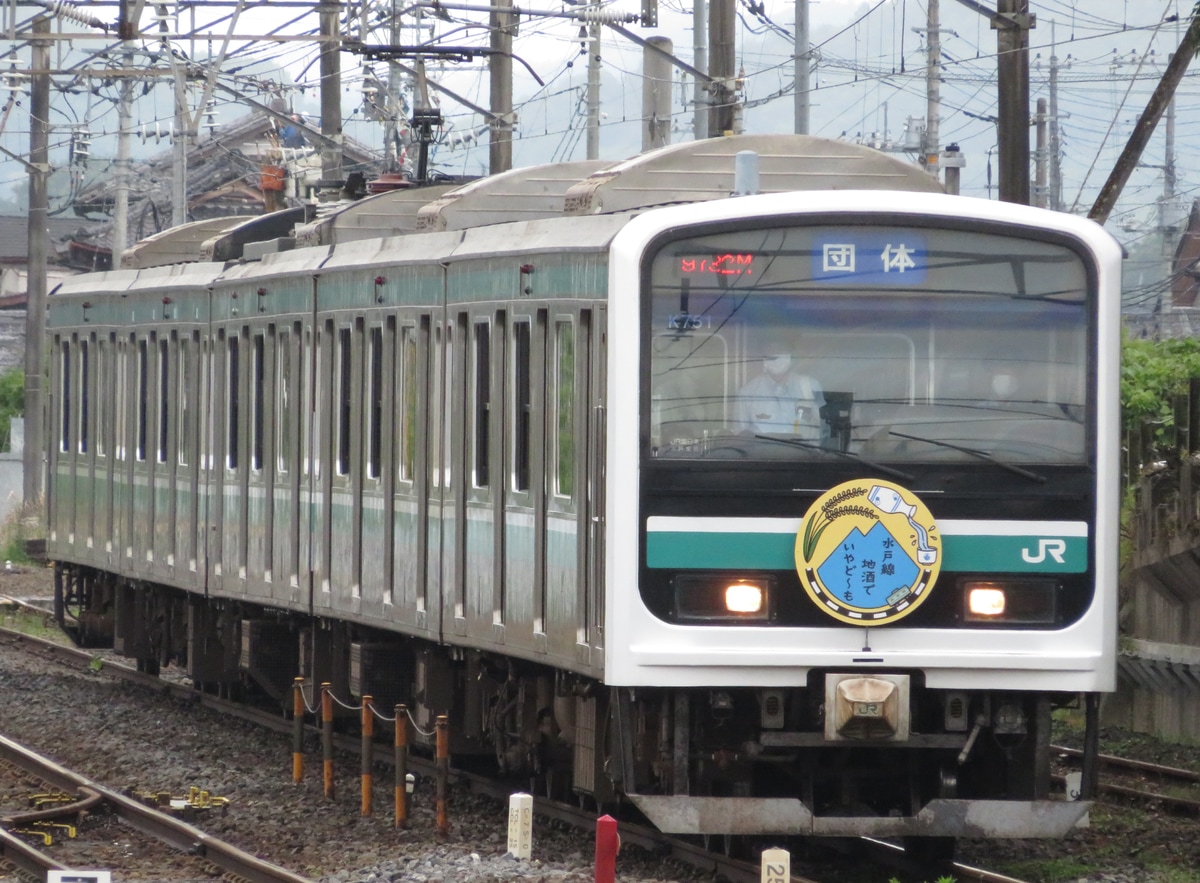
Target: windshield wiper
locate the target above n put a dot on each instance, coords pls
(794, 442)
(974, 452)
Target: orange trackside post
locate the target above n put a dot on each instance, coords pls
(443, 773)
(608, 842)
(368, 759)
(401, 764)
(327, 737)
(297, 730)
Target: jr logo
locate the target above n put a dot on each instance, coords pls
(1053, 548)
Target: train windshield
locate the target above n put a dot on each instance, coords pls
(888, 343)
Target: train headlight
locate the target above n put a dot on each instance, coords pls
(744, 597)
(703, 597)
(1011, 601)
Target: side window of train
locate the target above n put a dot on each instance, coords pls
(283, 401)
(143, 397)
(164, 398)
(374, 401)
(481, 402)
(257, 404)
(522, 386)
(85, 386)
(104, 384)
(122, 416)
(407, 382)
(64, 422)
(344, 403)
(232, 409)
(563, 447)
(185, 430)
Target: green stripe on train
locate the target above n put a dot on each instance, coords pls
(693, 550)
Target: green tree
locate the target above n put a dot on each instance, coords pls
(1153, 372)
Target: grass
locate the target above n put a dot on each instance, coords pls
(26, 522)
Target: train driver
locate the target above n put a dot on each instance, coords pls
(780, 400)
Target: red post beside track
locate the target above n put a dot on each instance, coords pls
(297, 730)
(608, 842)
(368, 753)
(401, 747)
(327, 737)
(443, 773)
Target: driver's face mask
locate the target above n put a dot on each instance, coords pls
(777, 364)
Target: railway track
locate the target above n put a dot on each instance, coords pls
(84, 799)
(710, 859)
(1127, 778)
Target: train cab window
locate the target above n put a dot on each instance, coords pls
(164, 398)
(65, 398)
(257, 403)
(374, 401)
(564, 409)
(232, 402)
(522, 404)
(143, 397)
(84, 395)
(406, 435)
(345, 403)
(481, 399)
(920, 345)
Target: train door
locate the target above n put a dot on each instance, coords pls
(523, 607)
(477, 552)
(411, 456)
(376, 481)
(565, 546)
(187, 452)
(592, 602)
(439, 516)
(105, 460)
(286, 469)
(258, 507)
(161, 458)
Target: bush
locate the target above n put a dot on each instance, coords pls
(12, 402)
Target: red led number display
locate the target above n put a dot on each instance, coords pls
(718, 264)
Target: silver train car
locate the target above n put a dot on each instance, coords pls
(793, 513)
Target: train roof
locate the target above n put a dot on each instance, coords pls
(393, 213)
(178, 244)
(690, 172)
(516, 195)
(699, 171)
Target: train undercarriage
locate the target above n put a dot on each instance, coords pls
(825, 758)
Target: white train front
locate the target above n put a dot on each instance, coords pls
(792, 513)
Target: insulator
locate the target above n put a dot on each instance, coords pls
(604, 16)
(67, 10)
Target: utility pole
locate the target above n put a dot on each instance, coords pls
(803, 62)
(37, 257)
(593, 89)
(656, 92)
(1146, 123)
(1012, 23)
(179, 142)
(1055, 194)
(933, 89)
(721, 22)
(700, 92)
(1166, 205)
(126, 27)
(332, 169)
(500, 79)
(1039, 156)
